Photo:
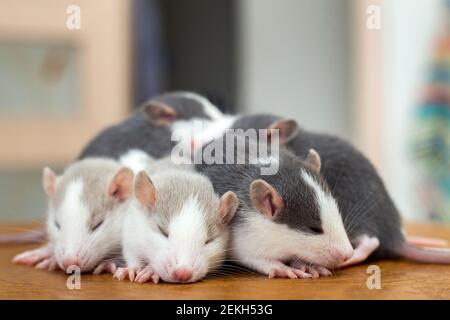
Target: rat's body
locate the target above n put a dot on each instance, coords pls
(86, 205)
(287, 224)
(370, 217)
(177, 228)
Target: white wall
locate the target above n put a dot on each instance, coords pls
(295, 60)
(408, 31)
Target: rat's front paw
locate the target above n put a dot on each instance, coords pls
(36, 257)
(146, 274)
(106, 266)
(288, 272)
(313, 270)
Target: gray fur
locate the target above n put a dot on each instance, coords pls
(96, 174)
(174, 187)
(301, 208)
(138, 132)
(362, 198)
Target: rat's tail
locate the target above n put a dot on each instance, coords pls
(34, 236)
(425, 255)
(426, 242)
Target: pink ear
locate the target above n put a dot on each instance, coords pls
(145, 190)
(121, 184)
(266, 199)
(160, 113)
(313, 160)
(228, 205)
(287, 129)
(49, 181)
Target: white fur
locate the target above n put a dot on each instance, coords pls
(136, 160)
(144, 244)
(263, 245)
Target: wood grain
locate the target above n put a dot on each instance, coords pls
(399, 280)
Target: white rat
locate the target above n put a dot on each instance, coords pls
(177, 228)
(85, 209)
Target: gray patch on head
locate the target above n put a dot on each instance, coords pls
(184, 103)
(175, 187)
(96, 174)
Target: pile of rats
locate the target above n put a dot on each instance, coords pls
(127, 208)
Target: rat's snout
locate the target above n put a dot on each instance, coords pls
(341, 255)
(182, 274)
(70, 261)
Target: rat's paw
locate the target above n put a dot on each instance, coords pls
(288, 272)
(146, 274)
(106, 266)
(33, 257)
(123, 273)
(47, 264)
(313, 270)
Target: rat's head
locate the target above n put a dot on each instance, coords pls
(192, 119)
(305, 220)
(189, 223)
(86, 204)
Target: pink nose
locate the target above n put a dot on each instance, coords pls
(70, 261)
(182, 274)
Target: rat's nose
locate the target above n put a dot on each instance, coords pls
(341, 255)
(182, 274)
(70, 261)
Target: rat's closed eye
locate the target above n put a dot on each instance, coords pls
(210, 240)
(164, 233)
(97, 225)
(57, 225)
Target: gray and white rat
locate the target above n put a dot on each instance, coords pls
(86, 205)
(152, 126)
(177, 228)
(288, 224)
(370, 217)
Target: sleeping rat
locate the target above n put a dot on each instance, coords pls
(287, 224)
(370, 217)
(177, 228)
(152, 127)
(85, 209)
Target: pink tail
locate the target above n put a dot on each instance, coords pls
(36, 236)
(427, 242)
(425, 255)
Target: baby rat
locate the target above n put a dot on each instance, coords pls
(370, 217)
(176, 228)
(152, 126)
(85, 209)
(288, 224)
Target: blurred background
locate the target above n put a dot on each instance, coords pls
(70, 68)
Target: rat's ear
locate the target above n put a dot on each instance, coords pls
(160, 113)
(229, 203)
(266, 199)
(313, 160)
(144, 190)
(121, 185)
(287, 130)
(49, 181)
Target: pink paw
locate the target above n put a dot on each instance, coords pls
(288, 272)
(47, 264)
(313, 270)
(106, 266)
(146, 274)
(33, 257)
(123, 273)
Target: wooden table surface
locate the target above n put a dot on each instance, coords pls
(399, 280)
